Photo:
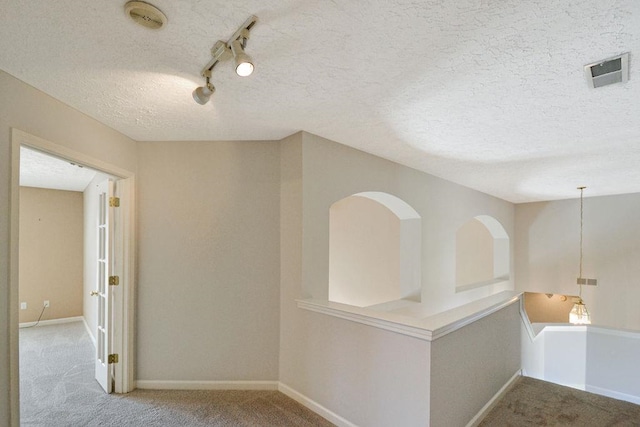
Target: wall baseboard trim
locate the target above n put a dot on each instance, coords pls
(86, 326)
(207, 385)
(613, 394)
(314, 406)
(247, 385)
(53, 322)
(494, 400)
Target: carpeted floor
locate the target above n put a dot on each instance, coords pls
(57, 388)
(532, 402)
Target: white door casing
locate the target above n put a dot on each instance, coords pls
(124, 304)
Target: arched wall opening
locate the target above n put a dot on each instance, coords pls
(374, 250)
(482, 253)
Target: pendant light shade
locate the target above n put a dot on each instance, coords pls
(579, 314)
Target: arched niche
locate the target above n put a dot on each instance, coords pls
(374, 250)
(482, 253)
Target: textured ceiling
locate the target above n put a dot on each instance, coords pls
(488, 94)
(44, 171)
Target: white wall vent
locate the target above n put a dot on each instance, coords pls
(607, 72)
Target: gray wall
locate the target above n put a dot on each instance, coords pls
(209, 254)
(30, 110)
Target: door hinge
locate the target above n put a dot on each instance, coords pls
(113, 358)
(114, 280)
(114, 202)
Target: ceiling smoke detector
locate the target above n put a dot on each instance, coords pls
(608, 72)
(145, 14)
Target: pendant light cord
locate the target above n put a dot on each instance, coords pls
(581, 211)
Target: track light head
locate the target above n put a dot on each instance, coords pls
(202, 94)
(244, 63)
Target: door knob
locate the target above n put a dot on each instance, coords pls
(95, 293)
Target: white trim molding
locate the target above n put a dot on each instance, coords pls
(592, 358)
(428, 328)
(124, 334)
(314, 406)
(206, 385)
(494, 400)
(89, 332)
(248, 385)
(52, 322)
(56, 150)
(371, 318)
(613, 394)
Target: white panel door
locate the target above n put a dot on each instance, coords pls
(105, 267)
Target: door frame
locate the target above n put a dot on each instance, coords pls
(124, 303)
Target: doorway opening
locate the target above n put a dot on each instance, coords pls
(122, 331)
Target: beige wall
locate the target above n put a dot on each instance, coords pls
(210, 260)
(474, 253)
(27, 109)
(548, 254)
(332, 171)
(470, 365)
(367, 375)
(209, 251)
(51, 253)
(551, 308)
(364, 253)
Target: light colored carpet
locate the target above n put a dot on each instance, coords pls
(532, 402)
(57, 388)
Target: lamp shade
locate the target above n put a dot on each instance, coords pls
(244, 63)
(579, 314)
(202, 94)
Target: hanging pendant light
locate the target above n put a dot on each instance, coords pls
(579, 314)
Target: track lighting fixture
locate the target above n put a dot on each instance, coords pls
(224, 50)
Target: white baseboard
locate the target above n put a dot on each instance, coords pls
(86, 326)
(247, 385)
(314, 406)
(207, 385)
(52, 322)
(494, 400)
(613, 394)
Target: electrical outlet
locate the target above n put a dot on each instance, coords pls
(46, 303)
(23, 306)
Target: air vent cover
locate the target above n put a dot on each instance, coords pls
(145, 14)
(607, 72)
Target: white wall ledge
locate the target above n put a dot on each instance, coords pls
(537, 328)
(594, 358)
(469, 286)
(428, 328)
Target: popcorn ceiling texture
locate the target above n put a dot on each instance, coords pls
(488, 94)
(43, 171)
